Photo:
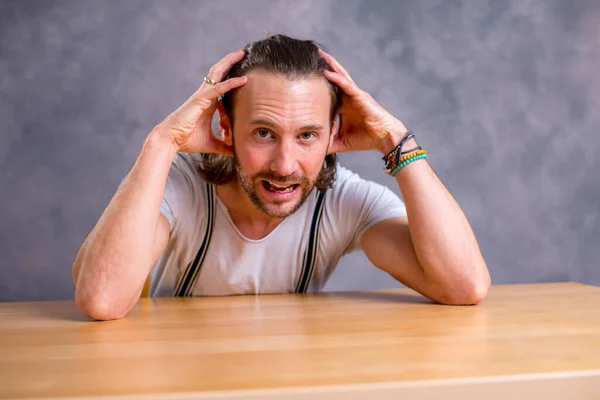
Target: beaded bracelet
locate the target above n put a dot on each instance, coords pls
(406, 162)
(411, 155)
(411, 150)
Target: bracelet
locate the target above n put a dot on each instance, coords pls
(391, 158)
(411, 155)
(411, 150)
(397, 158)
(405, 163)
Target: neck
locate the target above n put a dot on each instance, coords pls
(247, 218)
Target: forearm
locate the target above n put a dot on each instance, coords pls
(114, 260)
(444, 242)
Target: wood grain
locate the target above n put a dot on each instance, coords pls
(538, 338)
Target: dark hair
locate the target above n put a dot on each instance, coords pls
(295, 59)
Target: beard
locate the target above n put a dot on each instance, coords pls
(274, 209)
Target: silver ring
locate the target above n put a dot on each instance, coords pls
(211, 82)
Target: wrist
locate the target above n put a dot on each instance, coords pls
(161, 141)
(393, 139)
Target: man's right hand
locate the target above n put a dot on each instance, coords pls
(189, 127)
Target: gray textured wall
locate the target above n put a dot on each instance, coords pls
(503, 94)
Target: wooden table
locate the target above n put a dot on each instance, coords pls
(532, 341)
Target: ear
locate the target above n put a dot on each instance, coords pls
(334, 132)
(225, 124)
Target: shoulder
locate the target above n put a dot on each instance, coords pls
(354, 204)
(353, 195)
(184, 188)
(349, 184)
(185, 165)
(183, 175)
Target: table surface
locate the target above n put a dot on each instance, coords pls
(327, 345)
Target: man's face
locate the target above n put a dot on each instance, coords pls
(282, 131)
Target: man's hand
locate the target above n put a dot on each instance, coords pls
(364, 123)
(189, 127)
(437, 253)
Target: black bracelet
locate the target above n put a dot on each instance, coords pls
(392, 158)
(411, 150)
(409, 135)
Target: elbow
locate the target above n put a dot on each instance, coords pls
(96, 298)
(98, 306)
(470, 296)
(468, 291)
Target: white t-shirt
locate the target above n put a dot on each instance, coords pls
(233, 264)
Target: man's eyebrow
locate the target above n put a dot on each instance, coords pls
(261, 121)
(311, 127)
(270, 124)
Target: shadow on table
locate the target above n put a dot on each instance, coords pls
(61, 310)
(68, 311)
(384, 296)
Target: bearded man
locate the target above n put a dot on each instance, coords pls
(265, 207)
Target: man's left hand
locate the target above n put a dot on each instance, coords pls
(364, 123)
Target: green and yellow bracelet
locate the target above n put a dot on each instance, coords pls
(404, 161)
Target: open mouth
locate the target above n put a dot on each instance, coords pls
(279, 188)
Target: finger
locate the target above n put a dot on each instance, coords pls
(203, 101)
(335, 65)
(347, 85)
(218, 71)
(206, 95)
(221, 88)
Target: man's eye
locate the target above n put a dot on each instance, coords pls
(263, 133)
(307, 135)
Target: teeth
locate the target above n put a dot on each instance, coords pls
(281, 189)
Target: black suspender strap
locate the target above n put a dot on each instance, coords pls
(310, 254)
(188, 279)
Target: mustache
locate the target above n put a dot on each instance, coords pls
(276, 178)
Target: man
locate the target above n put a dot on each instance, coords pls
(266, 208)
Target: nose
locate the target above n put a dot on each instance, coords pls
(284, 160)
